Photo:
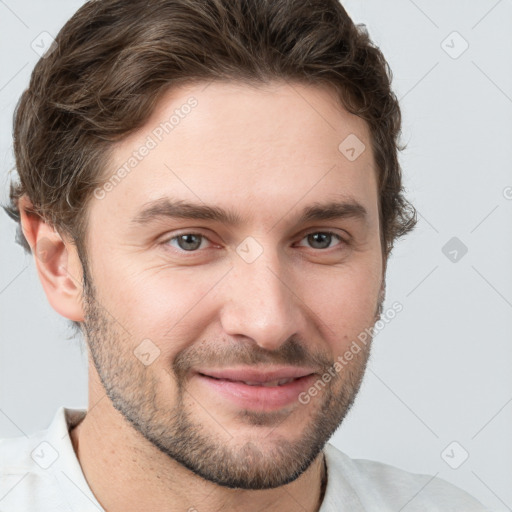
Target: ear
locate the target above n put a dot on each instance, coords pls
(58, 266)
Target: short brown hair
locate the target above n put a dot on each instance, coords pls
(114, 59)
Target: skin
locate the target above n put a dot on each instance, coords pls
(155, 436)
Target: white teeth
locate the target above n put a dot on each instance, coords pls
(271, 383)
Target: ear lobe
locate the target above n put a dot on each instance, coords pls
(57, 263)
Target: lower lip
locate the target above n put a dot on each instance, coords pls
(258, 397)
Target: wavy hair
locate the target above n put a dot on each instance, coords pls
(114, 59)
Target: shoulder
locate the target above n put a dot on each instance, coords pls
(22, 472)
(390, 488)
(36, 469)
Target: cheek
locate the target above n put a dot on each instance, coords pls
(166, 306)
(345, 300)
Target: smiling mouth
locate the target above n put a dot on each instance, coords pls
(267, 384)
(257, 389)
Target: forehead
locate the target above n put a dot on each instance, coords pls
(237, 145)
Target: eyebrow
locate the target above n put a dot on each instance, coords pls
(165, 208)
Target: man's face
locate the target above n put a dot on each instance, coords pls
(192, 320)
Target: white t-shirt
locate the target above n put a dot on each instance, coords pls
(41, 473)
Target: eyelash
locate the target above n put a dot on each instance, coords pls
(182, 251)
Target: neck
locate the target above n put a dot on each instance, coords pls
(126, 472)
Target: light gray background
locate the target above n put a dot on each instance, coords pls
(441, 370)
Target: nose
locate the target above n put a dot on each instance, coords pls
(260, 303)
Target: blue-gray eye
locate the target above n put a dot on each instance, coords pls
(321, 240)
(188, 241)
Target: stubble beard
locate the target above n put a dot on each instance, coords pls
(261, 462)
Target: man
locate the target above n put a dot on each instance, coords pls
(211, 189)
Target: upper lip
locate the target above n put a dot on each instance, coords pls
(253, 374)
